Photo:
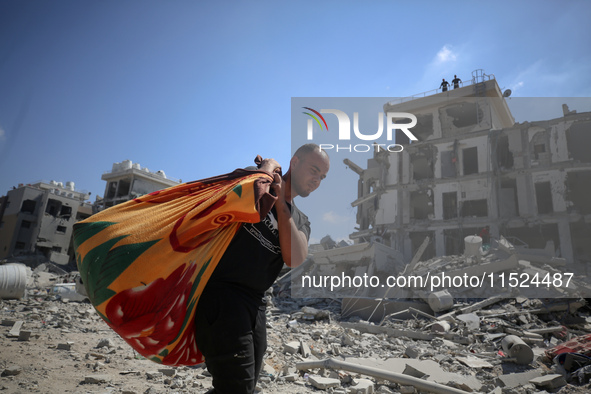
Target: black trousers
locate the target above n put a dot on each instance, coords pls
(232, 335)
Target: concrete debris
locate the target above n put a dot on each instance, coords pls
(471, 320)
(513, 380)
(167, 371)
(550, 382)
(412, 352)
(304, 349)
(16, 329)
(421, 384)
(97, 379)
(362, 386)
(291, 347)
(474, 362)
(314, 345)
(12, 370)
(323, 383)
(64, 346)
(24, 335)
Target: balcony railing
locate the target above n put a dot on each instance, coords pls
(478, 78)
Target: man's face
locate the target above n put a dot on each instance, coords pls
(308, 171)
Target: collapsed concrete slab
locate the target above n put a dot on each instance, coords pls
(357, 365)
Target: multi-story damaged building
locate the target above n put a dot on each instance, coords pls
(128, 180)
(38, 219)
(474, 171)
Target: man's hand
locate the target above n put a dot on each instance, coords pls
(271, 166)
(294, 245)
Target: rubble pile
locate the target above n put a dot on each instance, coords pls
(502, 266)
(501, 344)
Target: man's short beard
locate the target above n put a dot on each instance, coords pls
(300, 192)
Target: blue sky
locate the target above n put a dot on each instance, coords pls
(198, 88)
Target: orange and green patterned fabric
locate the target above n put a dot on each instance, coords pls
(145, 262)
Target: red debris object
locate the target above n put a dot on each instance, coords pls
(581, 345)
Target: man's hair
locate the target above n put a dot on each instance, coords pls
(308, 148)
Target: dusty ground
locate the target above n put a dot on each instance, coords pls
(71, 350)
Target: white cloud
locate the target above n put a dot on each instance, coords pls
(333, 217)
(445, 55)
(516, 86)
(449, 60)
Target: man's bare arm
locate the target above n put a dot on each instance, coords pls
(294, 244)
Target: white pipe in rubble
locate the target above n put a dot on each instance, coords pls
(399, 378)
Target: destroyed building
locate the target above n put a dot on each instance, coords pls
(128, 180)
(475, 171)
(38, 219)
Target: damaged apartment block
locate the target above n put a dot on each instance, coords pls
(474, 171)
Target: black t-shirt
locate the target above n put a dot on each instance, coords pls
(253, 259)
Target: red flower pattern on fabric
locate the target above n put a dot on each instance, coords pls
(150, 317)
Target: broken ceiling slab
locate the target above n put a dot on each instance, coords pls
(550, 382)
(480, 269)
(374, 251)
(424, 385)
(541, 258)
(375, 309)
(434, 372)
(513, 380)
(474, 362)
(413, 334)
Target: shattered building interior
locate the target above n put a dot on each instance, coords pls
(475, 171)
(38, 218)
(128, 180)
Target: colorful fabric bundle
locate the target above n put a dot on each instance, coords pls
(145, 262)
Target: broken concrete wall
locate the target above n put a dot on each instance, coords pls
(535, 236)
(508, 206)
(423, 130)
(427, 128)
(24, 204)
(502, 151)
(446, 201)
(387, 208)
(421, 204)
(422, 162)
(579, 139)
(550, 190)
(474, 197)
(405, 168)
(417, 238)
(143, 186)
(516, 143)
(463, 117)
(55, 230)
(539, 147)
(580, 233)
(393, 175)
(447, 165)
(525, 193)
(473, 155)
(578, 185)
